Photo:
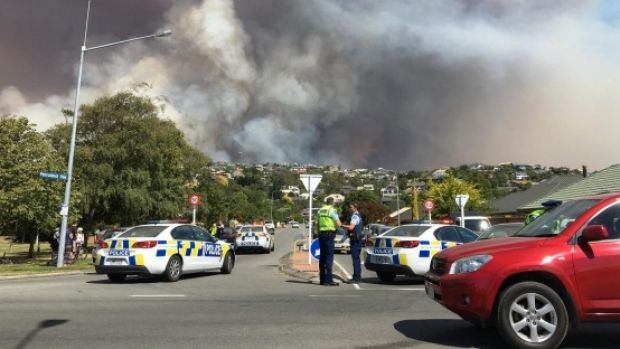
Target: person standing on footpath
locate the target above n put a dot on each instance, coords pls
(328, 222)
(355, 231)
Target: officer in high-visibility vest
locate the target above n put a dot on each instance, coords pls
(328, 222)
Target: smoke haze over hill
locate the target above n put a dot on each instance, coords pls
(397, 84)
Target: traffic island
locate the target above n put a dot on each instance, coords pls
(296, 264)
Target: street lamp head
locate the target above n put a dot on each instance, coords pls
(166, 32)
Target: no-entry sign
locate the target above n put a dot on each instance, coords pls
(194, 199)
(428, 204)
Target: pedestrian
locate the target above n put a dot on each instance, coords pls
(79, 241)
(213, 229)
(328, 222)
(356, 234)
(69, 246)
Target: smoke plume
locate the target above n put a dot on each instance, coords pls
(397, 84)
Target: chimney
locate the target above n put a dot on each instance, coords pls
(584, 171)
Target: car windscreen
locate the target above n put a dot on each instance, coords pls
(555, 221)
(143, 232)
(478, 225)
(407, 230)
(501, 230)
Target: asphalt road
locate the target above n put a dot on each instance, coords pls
(254, 307)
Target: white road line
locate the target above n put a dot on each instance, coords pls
(157, 295)
(333, 295)
(346, 274)
(393, 289)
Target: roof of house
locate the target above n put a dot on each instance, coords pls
(512, 202)
(604, 181)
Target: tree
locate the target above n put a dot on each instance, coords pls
(369, 206)
(28, 203)
(129, 163)
(444, 193)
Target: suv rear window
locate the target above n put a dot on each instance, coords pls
(252, 229)
(143, 232)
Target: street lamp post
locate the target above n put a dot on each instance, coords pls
(64, 211)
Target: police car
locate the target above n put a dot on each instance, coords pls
(169, 250)
(255, 237)
(408, 249)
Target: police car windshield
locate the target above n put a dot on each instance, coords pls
(252, 229)
(143, 232)
(407, 230)
(555, 221)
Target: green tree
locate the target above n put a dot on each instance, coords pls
(444, 193)
(369, 206)
(129, 163)
(28, 204)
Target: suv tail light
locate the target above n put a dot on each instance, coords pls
(144, 244)
(103, 244)
(370, 243)
(407, 244)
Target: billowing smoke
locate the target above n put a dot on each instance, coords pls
(398, 84)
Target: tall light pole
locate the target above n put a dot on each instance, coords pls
(397, 199)
(64, 210)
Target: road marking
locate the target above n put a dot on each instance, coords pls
(393, 289)
(333, 295)
(157, 295)
(346, 274)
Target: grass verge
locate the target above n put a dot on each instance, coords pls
(14, 260)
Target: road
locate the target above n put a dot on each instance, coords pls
(254, 307)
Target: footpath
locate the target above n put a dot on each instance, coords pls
(296, 264)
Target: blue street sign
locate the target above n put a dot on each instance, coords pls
(53, 175)
(315, 251)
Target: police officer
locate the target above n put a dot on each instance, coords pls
(355, 240)
(328, 222)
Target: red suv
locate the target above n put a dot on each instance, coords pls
(560, 270)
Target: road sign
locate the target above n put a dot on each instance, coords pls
(310, 181)
(461, 200)
(315, 251)
(428, 204)
(53, 175)
(194, 199)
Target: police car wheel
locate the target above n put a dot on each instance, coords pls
(116, 277)
(273, 247)
(228, 264)
(386, 276)
(173, 269)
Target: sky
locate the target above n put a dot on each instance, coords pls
(358, 83)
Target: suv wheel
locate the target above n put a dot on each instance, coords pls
(386, 276)
(532, 315)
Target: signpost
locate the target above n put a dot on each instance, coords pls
(310, 182)
(461, 201)
(315, 250)
(194, 201)
(429, 205)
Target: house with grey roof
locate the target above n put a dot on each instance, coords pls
(604, 181)
(508, 208)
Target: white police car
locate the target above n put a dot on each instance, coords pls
(408, 249)
(169, 250)
(255, 237)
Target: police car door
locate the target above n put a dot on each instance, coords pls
(186, 245)
(211, 251)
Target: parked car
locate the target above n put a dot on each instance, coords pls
(342, 243)
(477, 224)
(271, 227)
(500, 230)
(294, 224)
(407, 249)
(255, 237)
(169, 250)
(552, 275)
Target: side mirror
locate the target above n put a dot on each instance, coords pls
(594, 233)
